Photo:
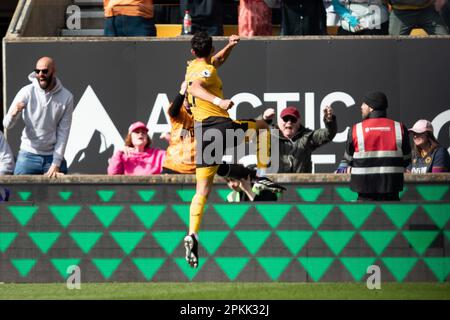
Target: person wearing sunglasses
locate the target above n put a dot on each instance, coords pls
(297, 143)
(428, 155)
(46, 108)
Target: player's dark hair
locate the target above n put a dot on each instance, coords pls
(201, 43)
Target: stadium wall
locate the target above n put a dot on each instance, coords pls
(118, 81)
(130, 229)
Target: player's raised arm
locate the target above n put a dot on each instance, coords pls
(220, 57)
(197, 90)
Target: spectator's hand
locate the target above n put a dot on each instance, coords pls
(18, 108)
(246, 186)
(226, 104)
(165, 136)
(439, 4)
(53, 172)
(245, 183)
(183, 88)
(352, 21)
(328, 113)
(357, 28)
(126, 150)
(269, 114)
(233, 40)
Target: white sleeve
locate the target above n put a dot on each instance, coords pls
(22, 96)
(6, 157)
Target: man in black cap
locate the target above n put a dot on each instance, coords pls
(377, 152)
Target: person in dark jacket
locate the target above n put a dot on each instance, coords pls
(297, 143)
(377, 152)
(303, 17)
(206, 15)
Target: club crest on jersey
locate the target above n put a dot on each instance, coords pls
(206, 73)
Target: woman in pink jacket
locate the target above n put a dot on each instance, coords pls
(137, 158)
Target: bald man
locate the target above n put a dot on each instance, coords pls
(46, 108)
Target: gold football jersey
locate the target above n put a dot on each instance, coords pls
(207, 73)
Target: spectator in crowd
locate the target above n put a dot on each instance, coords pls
(428, 155)
(243, 189)
(206, 15)
(303, 17)
(296, 143)
(136, 158)
(180, 154)
(377, 152)
(6, 157)
(255, 18)
(365, 17)
(407, 15)
(129, 18)
(46, 108)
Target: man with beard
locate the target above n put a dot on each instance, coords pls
(46, 108)
(296, 143)
(377, 152)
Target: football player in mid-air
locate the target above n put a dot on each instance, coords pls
(210, 111)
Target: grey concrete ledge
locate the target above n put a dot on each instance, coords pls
(15, 38)
(441, 178)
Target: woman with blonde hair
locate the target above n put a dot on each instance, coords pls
(428, 155)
